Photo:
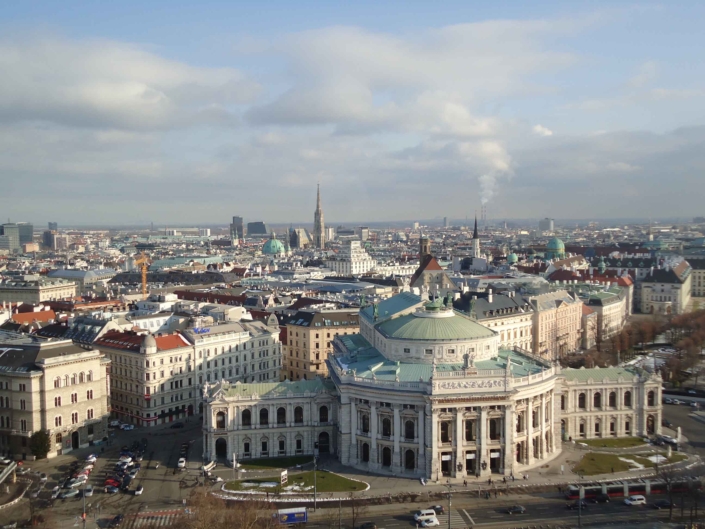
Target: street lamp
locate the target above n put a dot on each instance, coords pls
(449, 502)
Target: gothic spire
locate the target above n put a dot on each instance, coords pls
(318, 197)
(474, 234)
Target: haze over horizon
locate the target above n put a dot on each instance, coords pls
(202, 111)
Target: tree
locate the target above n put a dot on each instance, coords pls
(669, 475)
(210, 512)
(358, 509)
(40, 444)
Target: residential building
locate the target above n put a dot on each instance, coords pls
(85, 279)
(667, 290)
(11, 239)
(36, 290)
(352, 259)
(698, 277)
(424, 391)
(51, 385)
(310, 334)
(557, 318)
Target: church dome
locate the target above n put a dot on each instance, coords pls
(273, 246)
(512, 258)
(556, 244)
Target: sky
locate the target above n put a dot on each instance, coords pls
(185, 113)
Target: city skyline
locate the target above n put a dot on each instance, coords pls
(133, 112)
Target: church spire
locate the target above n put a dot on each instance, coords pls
(474, 234)
(319, 238)
(318, 197)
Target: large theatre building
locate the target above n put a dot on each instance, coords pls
(426, 391)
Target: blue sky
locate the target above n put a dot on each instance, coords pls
(194, 112)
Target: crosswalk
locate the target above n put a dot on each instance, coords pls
(154, 519)
(456, 520)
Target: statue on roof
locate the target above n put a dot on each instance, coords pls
(363, 301)
(471, 310)
(449, 299)
(375, 311)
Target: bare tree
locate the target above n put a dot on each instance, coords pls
(669, 475)
(210, 512)
(358, 509)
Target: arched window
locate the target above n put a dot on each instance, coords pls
(220, 420)
(563, 402)
(81, 377)
(597, 400)
(57, 420)
(57, 382)
(57, 401)
(386, 427)
(581, 401)
(263, 417)
(281, 416)
(323, 414)
(628, 399)
(74, 418)
(409, 430)
(74, 379)
(365, 423)
(246, 418)
(66, 380)
(445, 432)
(90, 376)
(298, 415)
(650, 398)
(613, 399)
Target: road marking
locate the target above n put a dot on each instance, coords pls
(469, 517)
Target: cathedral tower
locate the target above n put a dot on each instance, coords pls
(319, 236)
(476, 242)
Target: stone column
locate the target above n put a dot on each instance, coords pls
(459, 443)
(482, 455)
(396, 459)
(373, 435)
(353, 433)
(542, 423)
(421, 430)
(433, 444)
(530, 433)
(289, 414)
(509, 458)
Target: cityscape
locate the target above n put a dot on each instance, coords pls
(325, 276)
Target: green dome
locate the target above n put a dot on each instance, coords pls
(512, 258)
(273, 246)
(555, 244)
(413, 327)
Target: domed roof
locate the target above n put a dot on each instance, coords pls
(273, 246)
(149, 341)
(420, 326)
(555, 244)
(512, 258)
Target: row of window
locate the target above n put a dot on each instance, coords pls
(246, 417)
(73, 379)
(74, 417)
(74, 398)
(611, 400)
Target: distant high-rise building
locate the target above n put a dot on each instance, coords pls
(204, 232)
(415, 226)
(258, 228)
(319, 234)
(363, 232)
(48, 238)
(26, 232)
(445, 222)
(53, 226)
(237, 229)
(546, 224)
(12, 232)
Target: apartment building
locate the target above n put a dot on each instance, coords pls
(309, 337)
(157, 378)
(557, 318)
(54, 386)
(667, 290)
(36, 290)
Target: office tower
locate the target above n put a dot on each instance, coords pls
(26, 232)
(12, 232)
(53, 226)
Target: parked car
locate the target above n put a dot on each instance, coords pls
(69, 494)
(424, 514)
(111, 483)
(115, 522)
(114, 424)
(125, 458)
(128, 427)
(5, 460)
(139, 490)
(636, 499)
(111, 490)
(578, 504)
(181, 463)
(601, 498)
(132, 473)
(438, 509)
(177, 425)
(662, 504)
(692, 392)
(22, 471)
(42, 477)
(431, 522)
(516, 509)
(88, 491)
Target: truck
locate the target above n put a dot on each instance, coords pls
(295, 515)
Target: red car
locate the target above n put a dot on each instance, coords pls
(111, 483)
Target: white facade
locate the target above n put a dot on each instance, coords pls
(352, 260)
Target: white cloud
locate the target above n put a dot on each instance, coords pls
(540, 130)
(646, 73)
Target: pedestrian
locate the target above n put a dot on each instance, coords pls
(465, 483)
(504, 479)
(495, 493)
(512, 477)
(489, 481)
(612, 470)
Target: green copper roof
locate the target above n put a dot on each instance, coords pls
(389, 307)
(598, 374)
(410, 327)
(277, 389)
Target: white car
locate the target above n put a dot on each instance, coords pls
(431, 522)
(181, 463)
(139, 490)
(125, 459)
(114, 424)
(88, 491)
(637, 499)
(127, 427)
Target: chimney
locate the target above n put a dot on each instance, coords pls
(489, 295)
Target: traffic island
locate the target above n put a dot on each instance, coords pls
(596, 463)
(297, 484)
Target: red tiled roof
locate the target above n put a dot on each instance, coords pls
(29, 317)
(171, 341)
(427, 263)
(132, 342)
(587, 310)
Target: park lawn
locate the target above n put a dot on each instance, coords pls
(595, 463)
(275, 462)
(326, 482)
(615, 442)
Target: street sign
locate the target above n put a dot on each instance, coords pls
(284, 477)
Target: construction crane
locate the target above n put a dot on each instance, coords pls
(143, 262)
